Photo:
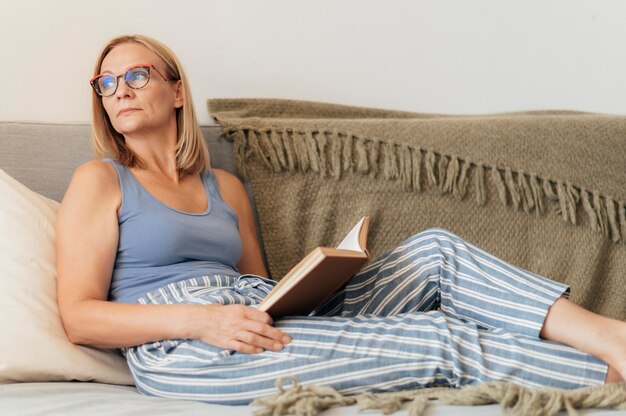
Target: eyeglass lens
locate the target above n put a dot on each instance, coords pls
(135, 78)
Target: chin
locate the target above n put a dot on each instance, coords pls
(127, 127)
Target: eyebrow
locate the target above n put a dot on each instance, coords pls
(124, 71)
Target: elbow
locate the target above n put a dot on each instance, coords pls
(71, 325)
(72, 334)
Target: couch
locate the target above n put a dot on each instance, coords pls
(37, 379)
(44, 373)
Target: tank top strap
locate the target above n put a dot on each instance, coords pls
(130, 188)
(210, 183)
(122, 172)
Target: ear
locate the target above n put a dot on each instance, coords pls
(179, 100)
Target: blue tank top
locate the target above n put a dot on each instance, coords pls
(159, 245)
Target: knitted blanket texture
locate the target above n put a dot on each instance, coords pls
(543, 190)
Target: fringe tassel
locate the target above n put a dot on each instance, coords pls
(430, 168)
(568, 197)
(591, 213)
(549, 192)
(497, 180)
(601, 216)
(268, 149)
(311, 146)
(537, 193)
(278, 149)
(374, 155)
(404, 159)
(451, 175)
(512, 187)
(479, 184)
(362, 166)
(292, 163)
(416, 168)
(348, 164)
(460, 185)
(613, 220)
(528, 201)
(573, 197)
(331, 153)
(255, 143)
(443, 170)
(334, 157)
(322, 142)
(390, 164)
(301, 151)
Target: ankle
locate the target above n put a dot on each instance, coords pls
(613, 376)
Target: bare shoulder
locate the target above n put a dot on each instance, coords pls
(226, 176)
(95, 180)
(232, 191)
(97, 171)
(229, 184)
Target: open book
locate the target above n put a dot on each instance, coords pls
(318, 275)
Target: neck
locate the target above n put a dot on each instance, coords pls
(157, 149)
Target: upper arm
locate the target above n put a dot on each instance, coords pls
(234, 194)
(87, 234)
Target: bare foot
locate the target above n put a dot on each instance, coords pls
(600, 336)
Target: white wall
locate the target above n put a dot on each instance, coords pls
(439, 56)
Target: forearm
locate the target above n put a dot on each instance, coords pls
(106, 324)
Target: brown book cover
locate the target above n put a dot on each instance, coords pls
(317, 276)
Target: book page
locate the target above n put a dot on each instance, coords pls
(351, 241)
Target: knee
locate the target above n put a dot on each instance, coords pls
(430, 236)
(436, 234)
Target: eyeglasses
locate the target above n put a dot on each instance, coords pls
(135, 77)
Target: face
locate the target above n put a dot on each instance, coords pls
(136, 111)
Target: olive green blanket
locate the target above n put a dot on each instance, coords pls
(543, 190)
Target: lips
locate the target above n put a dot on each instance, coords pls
(127, 111)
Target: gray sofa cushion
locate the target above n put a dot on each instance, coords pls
(43, 156)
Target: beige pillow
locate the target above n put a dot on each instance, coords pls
(34, 345)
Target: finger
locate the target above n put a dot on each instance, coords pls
(257, 340)
(243, 347)
(260, 316)
(267, 331)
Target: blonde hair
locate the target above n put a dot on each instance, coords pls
(192, 154)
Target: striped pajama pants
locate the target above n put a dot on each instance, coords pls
(433, 311)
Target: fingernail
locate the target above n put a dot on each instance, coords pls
(286, 339)
(278, 346)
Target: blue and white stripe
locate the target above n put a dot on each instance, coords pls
(433, 311)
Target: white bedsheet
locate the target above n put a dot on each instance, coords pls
(94, 399)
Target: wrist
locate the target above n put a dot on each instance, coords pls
(192, 321)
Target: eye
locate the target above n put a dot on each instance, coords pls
(107, 82)
(137, 75)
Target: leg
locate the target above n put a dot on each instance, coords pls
(355, 354)
(362, 354)
(600, 336)
(437, 269)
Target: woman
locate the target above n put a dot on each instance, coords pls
(158, 256)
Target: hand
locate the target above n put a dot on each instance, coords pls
(241, 328)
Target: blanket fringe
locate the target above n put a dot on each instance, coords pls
(333, 153)
(295, 399)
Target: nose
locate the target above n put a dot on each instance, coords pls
(123, 90)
